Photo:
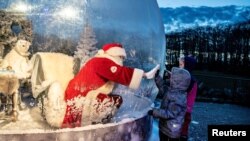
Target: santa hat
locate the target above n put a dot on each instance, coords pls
(114, 49)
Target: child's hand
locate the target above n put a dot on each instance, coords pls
(150, 112)
(167, 74)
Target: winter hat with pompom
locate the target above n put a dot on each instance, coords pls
(114, 49)
(190, 63)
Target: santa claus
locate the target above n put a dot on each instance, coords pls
(88, 94)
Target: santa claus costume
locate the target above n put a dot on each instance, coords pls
(88, 94)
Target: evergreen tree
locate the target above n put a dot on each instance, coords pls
(86, 47)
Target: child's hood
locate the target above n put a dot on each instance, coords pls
(180, 79)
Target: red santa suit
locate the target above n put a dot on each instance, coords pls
(88, 93)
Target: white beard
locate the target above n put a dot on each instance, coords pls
(118, 60)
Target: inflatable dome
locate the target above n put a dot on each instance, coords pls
(66, 27)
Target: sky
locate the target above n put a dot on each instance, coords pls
(197, 3)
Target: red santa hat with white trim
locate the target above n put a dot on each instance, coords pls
(114, 49)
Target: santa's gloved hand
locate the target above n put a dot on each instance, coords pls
(151, 74)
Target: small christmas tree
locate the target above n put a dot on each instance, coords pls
(86, 47)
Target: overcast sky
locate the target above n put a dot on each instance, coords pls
(197, 3)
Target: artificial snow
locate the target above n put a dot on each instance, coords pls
(30, 121)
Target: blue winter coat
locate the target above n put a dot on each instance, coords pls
(173, 106)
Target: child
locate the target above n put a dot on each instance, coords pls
(173, 106)
(188, 63)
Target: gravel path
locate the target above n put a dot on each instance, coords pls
(205, 114)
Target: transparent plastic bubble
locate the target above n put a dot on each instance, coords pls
(63, 25)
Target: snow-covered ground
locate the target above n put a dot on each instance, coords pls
(205, 114)
(30, 119)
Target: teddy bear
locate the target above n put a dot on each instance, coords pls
(18, 59)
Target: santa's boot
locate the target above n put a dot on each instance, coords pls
(117, 104)
(107, 106)
(117, 99)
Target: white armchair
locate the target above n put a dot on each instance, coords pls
(51, 73)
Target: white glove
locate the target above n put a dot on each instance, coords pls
(151, 74)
